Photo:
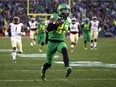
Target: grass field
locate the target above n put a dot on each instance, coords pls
(90, 68)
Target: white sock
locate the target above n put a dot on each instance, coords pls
(91, 44)
(31, 43)
(34, 42)
(95, 44)
(14, 54)
(20, 47)
(72, 46)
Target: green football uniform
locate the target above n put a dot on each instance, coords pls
(41, 33)
(86, 32)
(56, 39)
(56, 33)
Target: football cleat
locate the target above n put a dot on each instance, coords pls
(34, 43)
(72, 50)
(91, 48)
(40, 50)
(43, 74)
(68, 71)
(31, 44)
(14, 61)
(95, 48)
(19, 52)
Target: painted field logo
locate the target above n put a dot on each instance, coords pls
(89, 64)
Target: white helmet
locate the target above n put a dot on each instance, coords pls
(33, 19)
(94, 18)
(16, 19)
(73, 20)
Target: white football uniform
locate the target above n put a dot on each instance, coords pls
(74, 32)
(33, 27)
(16, 35)
(94, 29)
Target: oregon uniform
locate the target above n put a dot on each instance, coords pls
(56, 33)
(56, 39)
(86, 31)
(41, 33)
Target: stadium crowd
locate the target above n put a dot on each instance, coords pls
(105, 10)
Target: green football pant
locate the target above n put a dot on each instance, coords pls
(86, 36)
(52, 47)
(41, 38)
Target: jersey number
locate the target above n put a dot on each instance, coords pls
(16, 29)
(62, 29)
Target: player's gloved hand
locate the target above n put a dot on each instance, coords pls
(59, 21)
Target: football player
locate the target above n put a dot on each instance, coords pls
(74, 30)
(56, 34)
(94, 28)
(33, 26)
(41, 36)
(16, 29)
(86, 31)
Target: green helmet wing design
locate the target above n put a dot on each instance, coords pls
(86, 20)
(63, 10)
(42, 19)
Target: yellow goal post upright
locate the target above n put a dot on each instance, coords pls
(37, 14)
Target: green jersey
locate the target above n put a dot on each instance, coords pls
(59, 33)
(41, 28)
(85, 27)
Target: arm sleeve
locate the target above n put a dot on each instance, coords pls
(82, 25)
(51, 27)
(99, 25)
(28, 24)
(79, 26)
(9, 31)
(90, 25)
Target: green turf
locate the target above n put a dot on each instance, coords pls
(26, 72)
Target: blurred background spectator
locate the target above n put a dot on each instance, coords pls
(105, 10)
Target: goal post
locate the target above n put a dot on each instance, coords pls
(37, 14)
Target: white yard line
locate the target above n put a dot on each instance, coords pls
(38, 80)
(79, 70)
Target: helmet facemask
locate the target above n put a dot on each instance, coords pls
(42, 20)
(16, 20)
(73, 20)
(63, 11)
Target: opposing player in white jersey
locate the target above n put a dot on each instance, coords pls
(74, 33)
(16, 29)
(33, 26)
(94, 29)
